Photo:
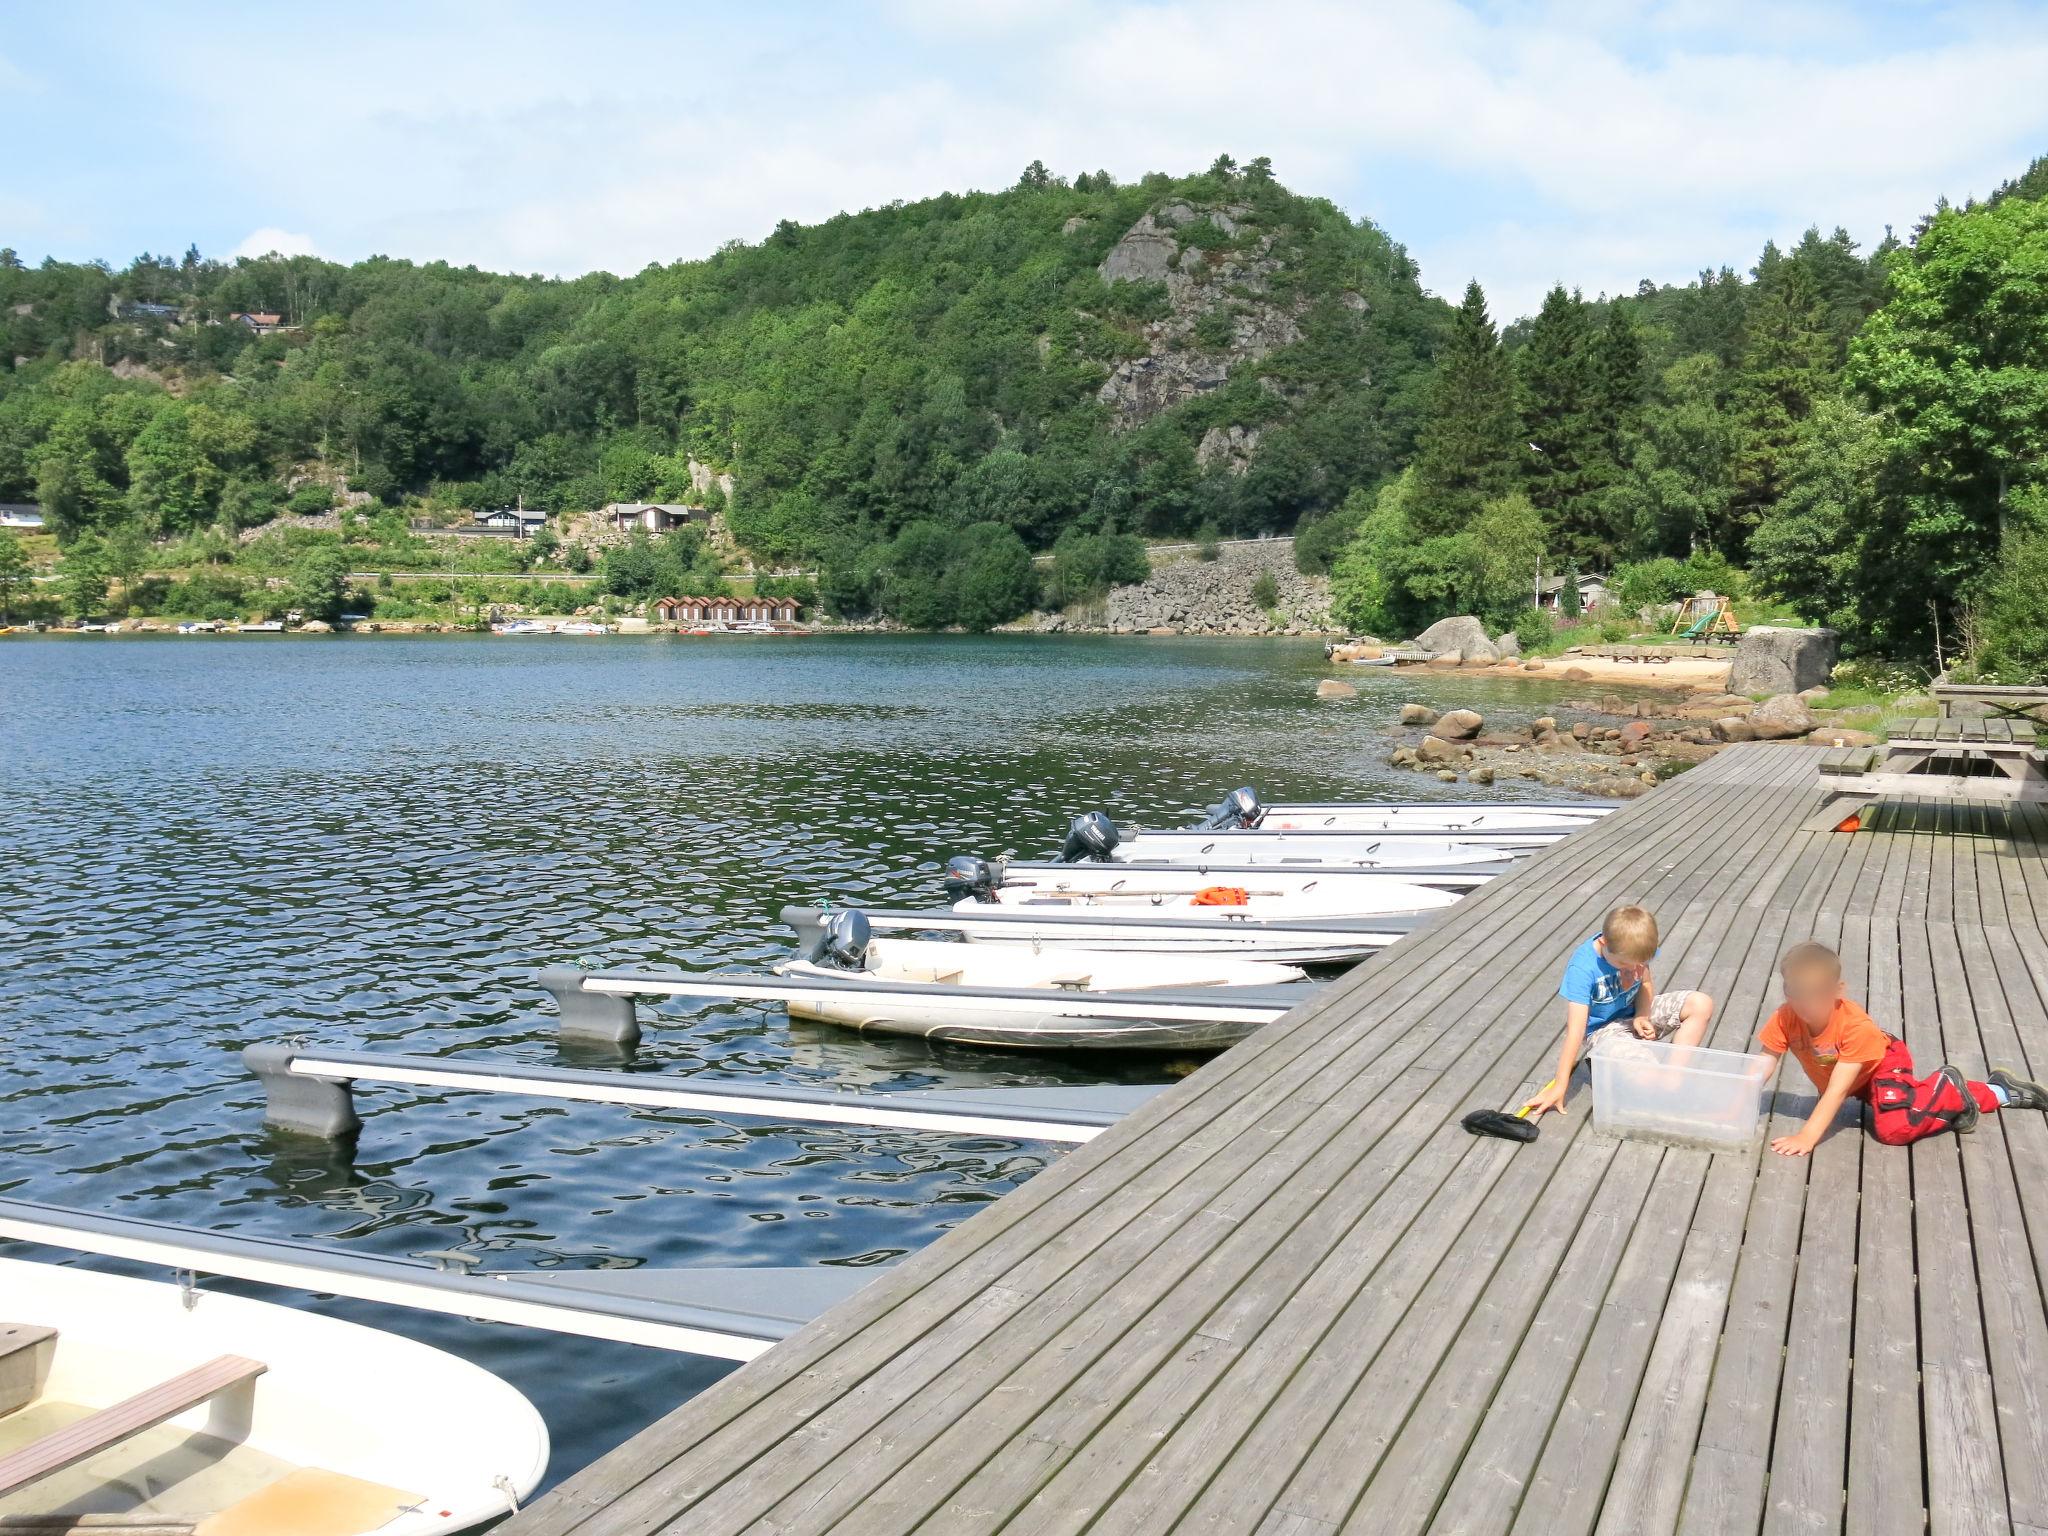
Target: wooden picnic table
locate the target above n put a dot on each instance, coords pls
(1998, 761)
(2001, 699)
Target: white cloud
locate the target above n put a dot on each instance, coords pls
(270, 241)
(1523, 144)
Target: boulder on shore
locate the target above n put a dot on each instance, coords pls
(1463, 634)
(1417, 714)
(1781, 717)
(1460, 724)
(1769, 659)
(1330, 688)
(1507, 645)
(1734, 728)
(1435, 749)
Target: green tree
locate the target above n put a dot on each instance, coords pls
(1787, 364)
(1560, 413)
(83, 577)
(319, 582)
(1677, 489)
(1809, 549)
(1469, 448)
(2011, 619)
(15, 572)
(1568, 604)
(1956, 364)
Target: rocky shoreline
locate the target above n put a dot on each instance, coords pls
(1655, 740)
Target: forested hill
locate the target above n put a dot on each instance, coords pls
(1208, 352)
(914, 398)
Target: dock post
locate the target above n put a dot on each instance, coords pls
(590, 1018)
(322, 1107)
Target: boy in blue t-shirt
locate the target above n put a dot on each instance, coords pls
(1608, 978)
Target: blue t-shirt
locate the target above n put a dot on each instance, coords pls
(1591, 979)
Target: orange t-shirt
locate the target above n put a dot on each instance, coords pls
(1850, 1035)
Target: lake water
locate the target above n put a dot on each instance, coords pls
(374, 841)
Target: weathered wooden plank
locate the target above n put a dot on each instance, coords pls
(1965, 1470)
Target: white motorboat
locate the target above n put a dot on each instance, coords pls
(973, 994)
(522, 627)
(1326, 941)
(967, 965)
(1093, 837)
(1148, 898)
(582, 627)
(266, 627)
(143, 1404)
(968, 876)
(1242, 809)
(1060, 997)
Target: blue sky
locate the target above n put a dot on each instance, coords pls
(1596, 142)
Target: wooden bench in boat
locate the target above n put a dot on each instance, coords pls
(124, 1420)
(21, 1363)
(1997, 762)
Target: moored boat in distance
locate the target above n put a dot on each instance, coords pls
(265, 627)
(1141, 875)
(1242, 810)
(582, 627)
(143, 1404)
(1147, 893)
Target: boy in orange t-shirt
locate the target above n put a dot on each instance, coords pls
(1846, 1055)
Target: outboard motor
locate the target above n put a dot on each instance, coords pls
(1090, 839)
(1241, 807)
(847, 935)
(968, 876)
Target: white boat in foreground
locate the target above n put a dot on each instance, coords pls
(1242, 809)
(152, 1404)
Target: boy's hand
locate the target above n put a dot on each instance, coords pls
(1794, 1146)
(1550, 1098)
(1645, 1030)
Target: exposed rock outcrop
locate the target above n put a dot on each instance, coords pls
(1782, 717)
(1463, 634)
(1203, 280)
(1773, 660)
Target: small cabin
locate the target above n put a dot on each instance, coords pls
(519, 522)
(651, 516)
(1593, 592)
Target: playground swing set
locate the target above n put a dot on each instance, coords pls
(1706, 617)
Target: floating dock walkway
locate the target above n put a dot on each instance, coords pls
(1291, 1296)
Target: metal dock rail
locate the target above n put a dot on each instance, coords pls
(1291, 1296)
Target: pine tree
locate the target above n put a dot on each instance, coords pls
(1788, 362)
(1466, 452)
(1560, 422)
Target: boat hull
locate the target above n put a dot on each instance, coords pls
(324, 1405)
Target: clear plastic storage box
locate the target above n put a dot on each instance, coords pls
(1686, 1094)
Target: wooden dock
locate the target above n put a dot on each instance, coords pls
(1291, 1296)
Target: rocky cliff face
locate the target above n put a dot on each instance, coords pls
(1222, 314)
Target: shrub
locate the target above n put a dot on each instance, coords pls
(1265, 590)
(1086, 565)
(1534, 629)
(1208, 542)
(1650, 582)
(2010, 619)
(1320, 539)
(309, 499)
(1615, 627)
